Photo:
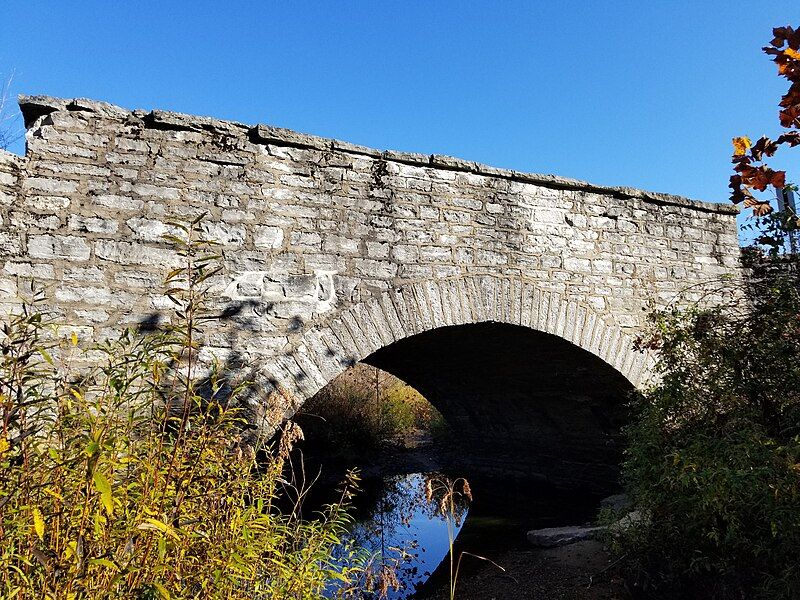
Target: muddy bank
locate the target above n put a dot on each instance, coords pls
(579, 571)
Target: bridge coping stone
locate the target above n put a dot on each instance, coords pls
(35, 106)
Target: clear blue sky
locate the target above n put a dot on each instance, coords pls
(645, 94)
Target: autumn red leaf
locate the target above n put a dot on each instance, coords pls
(791, 139)
(738, 193)
(785, 52)
(790, 117)
(778, 180)
(786, 35)
(760, 208)
(763, 147)
(759, 177)
(791, 97)
(756, 177)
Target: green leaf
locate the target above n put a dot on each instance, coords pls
(104, 487)
(46, 355)
(91, 449)
(162, 591)
(103, 562)
(155, 524)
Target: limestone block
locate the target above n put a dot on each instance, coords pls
(268, 237)
(46, 204)
(378, 250)
(308, 240)
(136, 254)
(435, 254)
(340, 245)
(224, 234)
(96, 296)
(51, 187)
(552, 537)
(150, 229)
(115, 202)
(21, 221)
(58, 247)
(85, 224)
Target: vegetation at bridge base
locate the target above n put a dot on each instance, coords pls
(126, 480)
(713, 457)
(713, 462)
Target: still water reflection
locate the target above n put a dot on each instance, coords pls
(404, 527)
(407, 531)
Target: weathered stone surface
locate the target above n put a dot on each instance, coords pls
(354, 246)
(278, 135)
(632, 519)
(58, 247)
(616, 502)
(551, 537)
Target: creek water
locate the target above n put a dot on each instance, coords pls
(400, 522)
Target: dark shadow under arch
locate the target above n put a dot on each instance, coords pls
(520, 401)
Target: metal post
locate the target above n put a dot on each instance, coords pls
(786, 203)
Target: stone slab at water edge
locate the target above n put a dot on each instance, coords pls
(552, 537)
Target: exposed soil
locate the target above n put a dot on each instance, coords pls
(579, 571)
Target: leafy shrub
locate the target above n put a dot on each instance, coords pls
(126, 479)
(714, 451)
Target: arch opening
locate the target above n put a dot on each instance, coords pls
(520, 402)
(535, 424)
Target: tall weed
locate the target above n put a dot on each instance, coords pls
(127, 478)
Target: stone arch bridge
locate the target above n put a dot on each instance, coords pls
(510, 300)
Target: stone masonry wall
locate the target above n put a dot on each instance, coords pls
(10, 227)
(332, 250)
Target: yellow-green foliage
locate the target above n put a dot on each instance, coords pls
(713, 462)
(365, 406)
(126, 480)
